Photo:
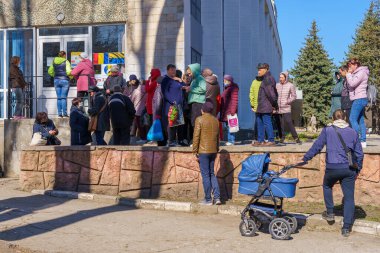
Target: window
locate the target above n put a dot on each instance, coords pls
(196, 57)
(108, 38)
(63, 31)
(196, 10)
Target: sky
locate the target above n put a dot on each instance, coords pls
(337, 21)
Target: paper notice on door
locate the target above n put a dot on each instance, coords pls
(75, 59)
(49, 61)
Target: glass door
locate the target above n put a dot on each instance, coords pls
(49, 47)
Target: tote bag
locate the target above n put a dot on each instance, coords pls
(233, 123)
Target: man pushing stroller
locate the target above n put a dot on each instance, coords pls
(344, 160)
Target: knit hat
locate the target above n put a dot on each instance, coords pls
(114, 69)
(132, 77)
(207, 107)
(83, 55)
(229, 78)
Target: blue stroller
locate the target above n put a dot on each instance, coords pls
(255, 180)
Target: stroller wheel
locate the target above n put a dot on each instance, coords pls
(292, 222)
(248, 229)
(280, 229)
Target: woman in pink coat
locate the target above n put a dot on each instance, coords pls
(84, 74)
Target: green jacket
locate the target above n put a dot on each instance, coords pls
(254, 94)
(197, 92)
(60, 60)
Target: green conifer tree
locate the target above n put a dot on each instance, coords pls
(313, 74)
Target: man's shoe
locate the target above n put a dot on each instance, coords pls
(346, 232)
(217, 202)
(206, 203)
(182, 144)
(328, 216)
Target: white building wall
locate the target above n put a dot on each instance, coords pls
(248, 40)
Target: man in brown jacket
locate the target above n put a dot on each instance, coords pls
(205, 147)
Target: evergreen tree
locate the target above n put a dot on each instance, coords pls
(313, 74)
(366, 45)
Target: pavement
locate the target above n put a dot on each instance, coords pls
(37, 223)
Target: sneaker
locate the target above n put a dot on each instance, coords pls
(217, 202)
(346, 232)
(206, 203)
(364, 144)
(229, 144)
(328, 216)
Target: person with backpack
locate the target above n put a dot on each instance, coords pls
(61, 71)
(344, 160)
(357, 80)
(346, 103)
(99, 108)
(114, 79)
(122, 113)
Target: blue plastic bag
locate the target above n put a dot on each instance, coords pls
(155, 132)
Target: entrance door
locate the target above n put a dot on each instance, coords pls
(48, 48)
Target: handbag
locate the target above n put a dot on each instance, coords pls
(38, 140)
(233, 123)
(92, 125)
(351, 164)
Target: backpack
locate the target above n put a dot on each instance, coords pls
(372, 94)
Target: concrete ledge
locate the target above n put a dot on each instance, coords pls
(310, 222)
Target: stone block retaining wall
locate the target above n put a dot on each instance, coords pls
(151, 172)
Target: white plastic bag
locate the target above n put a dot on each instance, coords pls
(38, 140)
(233, 123)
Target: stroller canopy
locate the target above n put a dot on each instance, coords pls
(254, 167)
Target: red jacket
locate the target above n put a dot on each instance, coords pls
(229, 101)
(150, 88)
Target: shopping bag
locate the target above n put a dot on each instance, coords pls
(155, 132)
(175, 115)
(38, 140)
(233, 123)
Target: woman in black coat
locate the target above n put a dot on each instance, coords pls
(79, 124)
(99, 106)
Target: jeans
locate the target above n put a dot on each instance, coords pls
(19, 101)
(209, 180)
(230, 136)
(62, 90)
(99, 136)
(264, 124)
(357, 117)
(346, 178)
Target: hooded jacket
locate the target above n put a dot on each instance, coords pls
(286, 95)
(198, 85)
(358, 82)
(267, 95)
(150, 88)
(84, 74)
(229, 101)
(336, 157)
(212, 92)
(60, 69)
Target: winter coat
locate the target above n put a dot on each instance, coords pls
(150, 87)
(358, 82)
(212, 92)
(267, 100)
(139, 98)
(16, 77)
(229, 101)
(197, 93)
(172, 92)
(336, 157)
(254, 93)
(96, 104)
(84, 74)
(116, 79)
(336, 96)
(157, 103)
(79, 127)
(346, 103)
(60, 69)
(129, 88)
(206, 135)
(44, 130)
(122, 111)
(286, 96)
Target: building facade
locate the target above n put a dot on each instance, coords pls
(227, 36)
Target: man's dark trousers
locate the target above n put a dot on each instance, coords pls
(346, 178)
(121, 136)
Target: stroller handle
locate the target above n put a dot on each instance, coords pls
(290, 166)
